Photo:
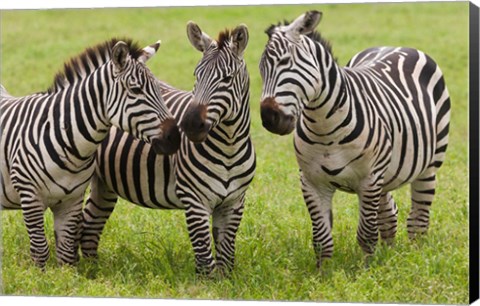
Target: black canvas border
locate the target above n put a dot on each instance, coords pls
(474, 152)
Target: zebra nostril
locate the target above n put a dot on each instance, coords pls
(269, 112)
(275, 117)
(169, 142)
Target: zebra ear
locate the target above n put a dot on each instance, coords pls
(305, 24)
(239, 39)
(149, 51)
(197, 38)
(119, 55)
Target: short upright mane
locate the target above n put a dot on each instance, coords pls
(315, 35)
(223, 38)
(94, 57)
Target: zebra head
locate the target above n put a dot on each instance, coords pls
(220, 80)
(137, 106)
(290, 72)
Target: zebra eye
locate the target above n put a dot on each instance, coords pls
(227, 79)
(284, 61)
(136, 90)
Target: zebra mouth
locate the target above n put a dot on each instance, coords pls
(169, 142)
(195, 123)
(274, 120)
(197, 136)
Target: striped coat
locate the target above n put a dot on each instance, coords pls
(368, 128)
(210, 173)
(49, 139)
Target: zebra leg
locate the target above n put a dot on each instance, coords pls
(367, 231)
(387, 218)
(319, 205)
(99, 207)
(226, 220)
(198, 226)
(67, 218)
(33, 215)
(423, 191)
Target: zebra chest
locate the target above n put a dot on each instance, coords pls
(212, 181)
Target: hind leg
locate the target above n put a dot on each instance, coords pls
(99, 207)
(387, 218)
(423, 191)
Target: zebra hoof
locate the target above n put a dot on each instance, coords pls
(93, 257)
(368, 260)
(389, 241)
(414, 236)
(205, 271)
(222, 271)
(40, 261)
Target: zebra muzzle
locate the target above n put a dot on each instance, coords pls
(169, 142)
(274, 119)
(195, 123)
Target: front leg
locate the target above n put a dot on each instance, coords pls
(369, 202)
(226, 220)
(33, 215)
(319, 204)
(198, 225)
(67, 225)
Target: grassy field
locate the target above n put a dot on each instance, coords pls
(147, 253)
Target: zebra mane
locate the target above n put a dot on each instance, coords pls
(81, 65)
(315, 36)
(223, 38)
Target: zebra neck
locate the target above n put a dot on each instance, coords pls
(235, 131)
(332, 112)
(81, 113)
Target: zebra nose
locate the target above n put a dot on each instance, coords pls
(274, 120)
(195, 124)
(169, 142)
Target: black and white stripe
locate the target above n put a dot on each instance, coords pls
(49, 139)
(210, 173)
(370, 127)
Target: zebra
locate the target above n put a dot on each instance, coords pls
(368, 128)
(49, 139)
(210, 173)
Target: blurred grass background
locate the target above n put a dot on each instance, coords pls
(147, 253)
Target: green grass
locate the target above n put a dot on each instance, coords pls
(147, 253)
